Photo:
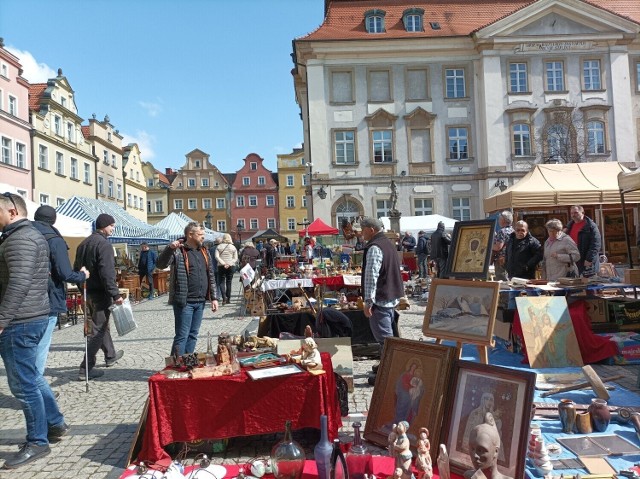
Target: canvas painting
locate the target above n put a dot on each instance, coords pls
(463, 311)
(338, 348)
(548, 332)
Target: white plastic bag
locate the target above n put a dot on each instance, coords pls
(123, 317)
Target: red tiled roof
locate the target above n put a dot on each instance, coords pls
(86, 131)
(35, 93)
(162, 178)
(345, 19)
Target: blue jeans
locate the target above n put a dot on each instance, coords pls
(44, 344)
(381, 323)
(187, 320)
(19, 349)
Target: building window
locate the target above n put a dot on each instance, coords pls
(342, 87)
(246, 181)
(417, 84)
(253, 223)
(87, 173)
(57, 125)
(454, 79)
(13, 105)
(290, 180)
(241, 223)
(291, 201)
(345, 147)
(6, 150)
(150, 182)
(105, 157)
(204, 182)
(135, 202)
(595, 135)
(271, 223)
(70, 131)
(262, 181)
(461, 209)
(591, 74)
(220, 204)
(374, 21)
(44, 199)
(240, 201)
(638, 76)
(379, 85)
(412, 19)
(193, 204)
(115, 165)
(59, 201)
(110, 188)
(206, 203)
(119, 191)
(59, 163)
(197, 163)
(21, 150)
(521, 139)
(555, 76)
(271, 200)
(458, 143)
(73, 172)
(101, 186)
(177, 204)
(291, 224)
(191, 182)
(137, 176)
(4, 70)
(303, 179)
(159, 206)
(422, 206)
(518, 78)
(382, 146)
(303, 201)
(43, 157)
(382, 208)
(253, 166)
(222, 225)
(149, 211)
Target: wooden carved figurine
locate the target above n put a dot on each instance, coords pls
(423, 458)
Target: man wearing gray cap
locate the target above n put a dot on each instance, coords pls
(381, 282)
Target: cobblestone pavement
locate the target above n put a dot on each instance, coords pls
(104, 420)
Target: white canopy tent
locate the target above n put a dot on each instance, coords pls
(414, 224)
(175, 223)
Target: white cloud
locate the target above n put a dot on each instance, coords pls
(34, 72)
(153, 108)
(145, 141)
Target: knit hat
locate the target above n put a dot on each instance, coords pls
(104, 220)
(46, 214)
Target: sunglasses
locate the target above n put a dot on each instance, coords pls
(10, 196)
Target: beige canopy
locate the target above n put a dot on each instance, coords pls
(552, 185)
(629, 181)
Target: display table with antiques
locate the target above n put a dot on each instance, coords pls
(235, 405)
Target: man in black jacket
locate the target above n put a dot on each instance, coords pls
(585, 234)
(422, 251)
(24, 316)
(146, 265)
(96, 254)
(61, 273)
(523, 252)
(440, 242)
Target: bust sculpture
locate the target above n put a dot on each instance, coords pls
(484, 447)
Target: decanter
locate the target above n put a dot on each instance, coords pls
(358, 457)
(322, 451)
(287, 457)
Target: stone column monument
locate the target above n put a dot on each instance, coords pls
(394, 214)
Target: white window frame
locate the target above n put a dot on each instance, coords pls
(192, 204)
(7, 147)
(596, 138)
(59, 163)
(57, 125)
(246, 181)
(59, 201)
(73, 169)
(253, 201)
(291, 224)
(455, 89)
(521, 139)
(100, 188)
(159, 205)
(454, 137)
(291, 201)
(254, 223)
(110, 192)
(591, 75)
(253, 166)
(191, 182)
(290, 181)
(70, 132)
(413, 22)
(119, 191)
(262, 181)
(206, 203)
(271, 223)
(419, 208)
(13, 105)
(21, 155)
(459, 210)
(382, 207)
(303, 201)
(343, 139)
(44, 199)
(375, 24)
(221, 204)
(222, 225)
(382, 144)
(87, 173)
(43, 157)
(240, 201)
(242, 223)
(178, 204)
(270, 200)
(204, 182)
(554, 76)
(518, 77)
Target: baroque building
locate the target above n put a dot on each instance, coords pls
(293, 175)
(157, 193)
(134, 183)
(454, 100)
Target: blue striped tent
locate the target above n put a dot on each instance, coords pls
(129, 229)
(175, 223)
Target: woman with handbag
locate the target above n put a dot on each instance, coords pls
(560, 253)
(227, 257)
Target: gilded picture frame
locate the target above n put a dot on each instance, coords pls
(411, 385)
(471, 247)
(462, 311)
(507, 393)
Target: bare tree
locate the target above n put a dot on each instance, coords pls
(561, 137)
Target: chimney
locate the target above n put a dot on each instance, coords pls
(168, 171)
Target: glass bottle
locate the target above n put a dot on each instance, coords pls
(338, 464)
(323, 450)
(210, 358)
(358, 457)
(287, 457)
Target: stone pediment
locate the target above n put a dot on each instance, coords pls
(558, 20)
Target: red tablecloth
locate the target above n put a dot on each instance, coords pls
(593, 348)
(231, 406)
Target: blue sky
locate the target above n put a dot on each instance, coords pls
(173, 75)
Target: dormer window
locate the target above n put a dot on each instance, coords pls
(412, 19)
(374, 20)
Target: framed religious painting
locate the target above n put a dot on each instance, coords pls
(462, 311)
(475, 390)
(536, 226)
(470, 251)
(411, 385)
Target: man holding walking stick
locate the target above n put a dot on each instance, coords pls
(96, 254)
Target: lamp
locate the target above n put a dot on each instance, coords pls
(501, 184)
(322, 193)
(208, 219)
(239, 229)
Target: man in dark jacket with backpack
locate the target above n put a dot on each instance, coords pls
(60, 273)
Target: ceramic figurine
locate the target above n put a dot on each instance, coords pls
(402, 448)
(484, 447)
(223, 356)
(443, 462)
(541, 458)
(397, 473)
(391, 441)
(310, 355)
(423, 458)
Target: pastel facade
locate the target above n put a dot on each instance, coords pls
(158, 186)
(135, 188)
(293, 180)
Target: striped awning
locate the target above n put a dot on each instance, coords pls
(175, 223)
(128, 229)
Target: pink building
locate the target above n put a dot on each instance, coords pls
(254, 202)
(15, 157)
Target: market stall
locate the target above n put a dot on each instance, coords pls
(175, 223)
(318, 228)
(629, 185)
